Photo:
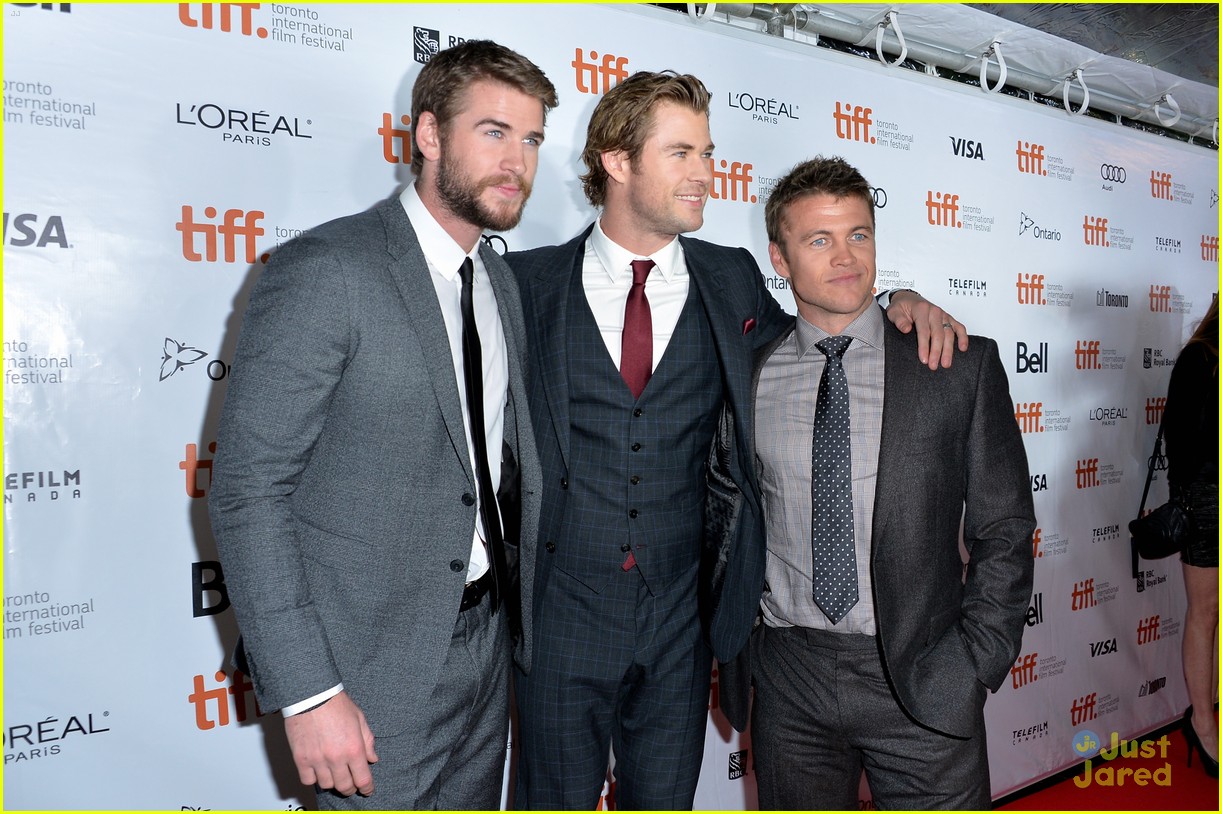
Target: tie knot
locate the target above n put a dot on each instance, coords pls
(834, 345)
(467, 271)
(640, 270)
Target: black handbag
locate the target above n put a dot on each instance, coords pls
(1165, 530)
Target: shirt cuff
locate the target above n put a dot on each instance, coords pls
(883, 298)
(311, 702)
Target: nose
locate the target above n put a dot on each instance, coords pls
(514, 157)
(701, 170)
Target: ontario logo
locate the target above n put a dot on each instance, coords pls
(1028, 226)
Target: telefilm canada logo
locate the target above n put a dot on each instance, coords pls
(42, 486)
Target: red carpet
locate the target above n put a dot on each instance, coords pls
(1170, 785)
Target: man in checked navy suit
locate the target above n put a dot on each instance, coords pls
(637, 337)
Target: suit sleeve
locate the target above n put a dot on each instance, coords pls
(998, 523)
(290, 356)
(770, 319)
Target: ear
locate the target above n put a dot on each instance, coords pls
(778, 260)
(616, 164)
(427, 131)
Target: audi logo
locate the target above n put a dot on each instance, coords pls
(880, 197)
(1110, 172)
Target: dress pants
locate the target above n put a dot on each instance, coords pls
(623, 670)
(824, 712)
(453, 757)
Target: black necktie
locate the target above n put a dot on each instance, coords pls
(473, 377)
(835, 565)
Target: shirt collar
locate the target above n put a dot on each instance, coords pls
(617, 261)
(867, 329)
(440, 250)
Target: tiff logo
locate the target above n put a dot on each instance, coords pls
(1083, 595)
(1029, 416)
(1036, 551)
(1082, 709)
(611, 69)
(1154, 410)
(1094, 231)
(197, 468)
(853, 122)
(1030, 289)
(942, 209)
(1031, 158)
(1209, 248)
(1023, 671)
(1147, 630)
(1160, 299)
(733, 184)
(1086, 355)
(396, 143)
(220, 698)
(1087, 473)
(229, 229)
(205, 20)
(1160, 185)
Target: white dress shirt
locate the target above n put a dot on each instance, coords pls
(606, 275)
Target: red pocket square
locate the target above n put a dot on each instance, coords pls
(748, 325)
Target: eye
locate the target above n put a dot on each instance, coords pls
(532, 141)
(819, 242)
(494, 133)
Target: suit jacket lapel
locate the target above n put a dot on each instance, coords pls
(410, 272)
(550, 290)
(899, 392)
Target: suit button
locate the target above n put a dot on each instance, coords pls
(551, 547)
(456, 566)
(636, 447)
(633, 513)
(638, 412)
(634, 480)
(468, 499)
(625, 548)
(564, 483)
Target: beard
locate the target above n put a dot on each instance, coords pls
(462, 195)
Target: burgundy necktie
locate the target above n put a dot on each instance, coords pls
(636, 353)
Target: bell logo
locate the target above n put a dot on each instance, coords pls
(28, 232)
(1086, 355)
(197, 468)
(1087, 473)
(205, 19)
(201, 587)
(1160, 185)
(732, 184)
(1031, 289)
(1023, 671)
(942, 209)
(1031, 361)
(1147, 630)
(1083, 596)
(1094, 231)
(1036, 551)
(1035, 611)
(219, 698)
(1083, 709)
(611, 69)
(396, 143)
(1029, 416)
(853, 122)
(1160, 299)
(1209, 248)
(1154, 410)
(229, 229)
(1031, 158)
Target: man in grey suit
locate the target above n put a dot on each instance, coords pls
(876, 648)
(637, 336)
(378, 392)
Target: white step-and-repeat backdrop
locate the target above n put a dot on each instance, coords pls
(155, 154)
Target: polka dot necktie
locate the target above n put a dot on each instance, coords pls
(835, 566)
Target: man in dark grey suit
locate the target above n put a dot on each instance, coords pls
(378, 392)
(876, 648)
(624, 413)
